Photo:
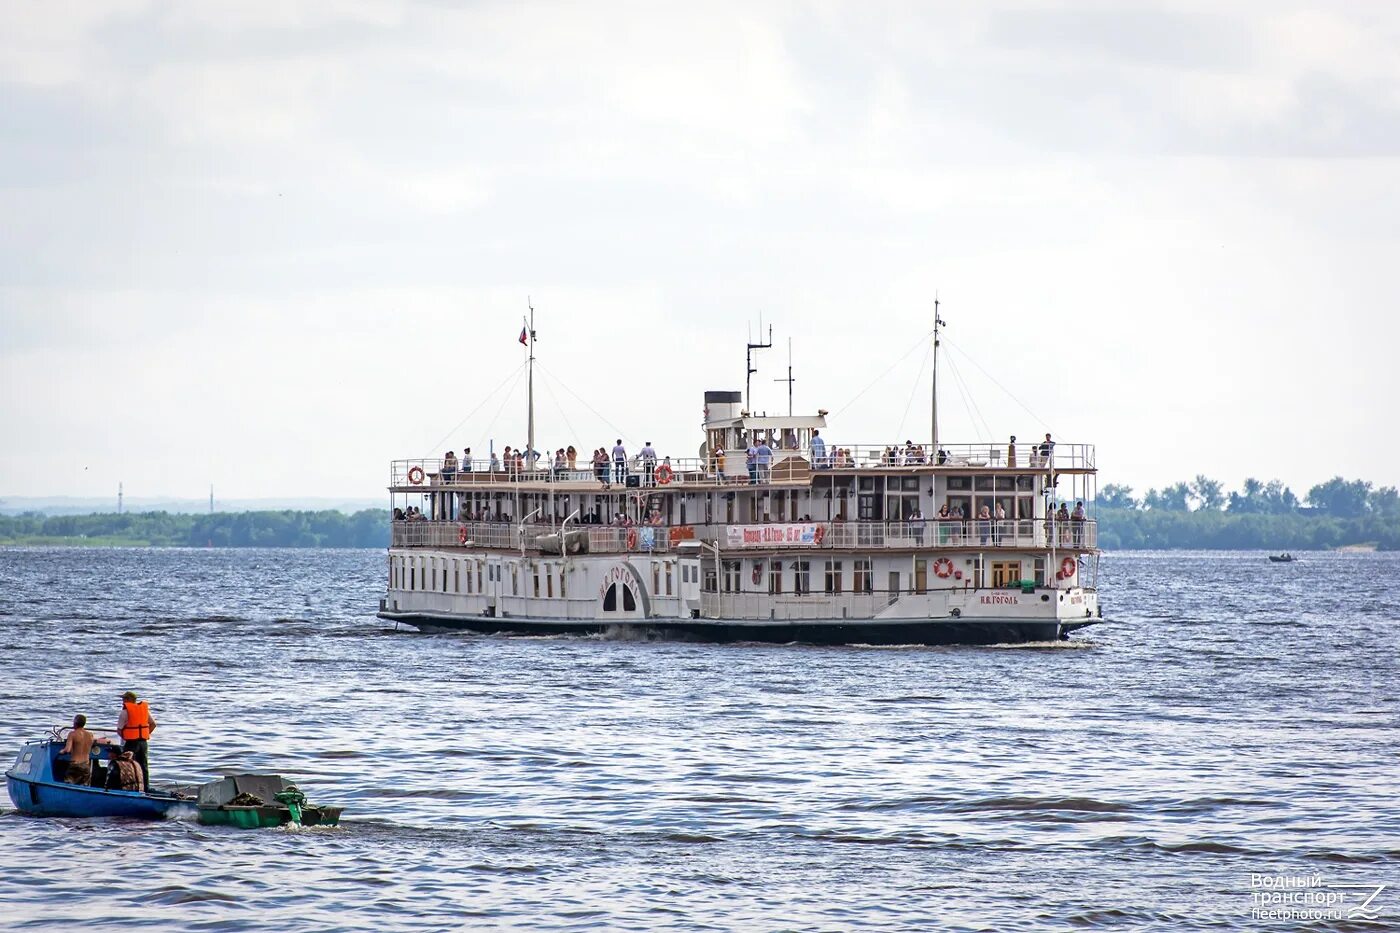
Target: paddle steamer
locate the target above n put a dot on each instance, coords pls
(827, 543)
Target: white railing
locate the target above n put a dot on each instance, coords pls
(786, 466)
(616, 539)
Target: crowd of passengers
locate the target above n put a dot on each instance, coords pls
(612, 467)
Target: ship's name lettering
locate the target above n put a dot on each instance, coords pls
(999, 600)
(615, 575)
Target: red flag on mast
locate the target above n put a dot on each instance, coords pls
(524, 334)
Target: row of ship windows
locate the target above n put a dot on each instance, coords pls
(797, 574)
(450, 575)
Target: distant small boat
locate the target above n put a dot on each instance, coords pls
(36, 786)
(1284, 558)
(254, 801)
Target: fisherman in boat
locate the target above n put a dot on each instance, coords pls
(78, 748)
(125, 773)
(135, 725)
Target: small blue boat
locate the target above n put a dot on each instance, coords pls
(36, 786)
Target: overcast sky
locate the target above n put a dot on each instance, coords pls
(274, 245)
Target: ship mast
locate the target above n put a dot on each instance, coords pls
(937, 324)
(748, 363)
(530, 392)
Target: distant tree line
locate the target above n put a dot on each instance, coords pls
(367, 528)
(1200, 514)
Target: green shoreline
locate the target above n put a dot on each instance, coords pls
(1119, 529)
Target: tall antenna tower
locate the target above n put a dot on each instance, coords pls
(211, 498)
(119, 498)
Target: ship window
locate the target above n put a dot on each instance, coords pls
(656, 576)
(801, 577)
(610, 599)
(920, 576)
(444, 576)
(733, 571)
(833, 576)
(1006, 483)
(413, 578)
(1005, 573)
(537, 582)
(708, 585)
(515, 579)
(864, 578)
(982, 482)
(910, 483)
(562, 593)
(867, 484)
(775, 577)
(548, 581)
(629, 602)
(959, 482)
(1025, 483)
(1039, 565)
(668, 578)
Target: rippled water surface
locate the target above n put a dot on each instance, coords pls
(1235, 718)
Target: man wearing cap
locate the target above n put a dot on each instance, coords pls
(135, 725)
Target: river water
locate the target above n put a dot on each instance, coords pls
(1235, 719)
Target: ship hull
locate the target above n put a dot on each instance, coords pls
(810, 632)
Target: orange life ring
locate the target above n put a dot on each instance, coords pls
(415, 475)
(1067, 567)
(461, 534)
(819, 534)
(943, 568)
(664, 474)
(631, 539)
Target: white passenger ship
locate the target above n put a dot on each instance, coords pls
(830, 544)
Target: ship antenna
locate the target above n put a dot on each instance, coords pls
(937, 325)
(748, 363)
(789, 380)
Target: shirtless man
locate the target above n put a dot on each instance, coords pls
(79, 750)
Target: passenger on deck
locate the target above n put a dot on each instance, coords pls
(495, 463)
(508, 459)
(819, 451)
(561, 462)
(984, 523)
(78, 748)
(765, 461)
(466, 459)
(717, 466)
(751, 461)
(916, 518)
(125, 772)
(619, 457)
(449, 467)
(571, 455)
(942, 456)
(944, 519)
(600, 467)
(1076, 524)
(1046, 450)
(648, 464)
(1000, 516)
(398, 515)
(1062, 519)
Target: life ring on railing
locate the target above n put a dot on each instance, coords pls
(631, 539)
(415, 475)
(819, 534)
(757, 572)
(664, 474)
(461, 534)
(943, 568)
(1067, 567)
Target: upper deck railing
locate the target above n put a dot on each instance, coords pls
(788, 466)
(616, 539)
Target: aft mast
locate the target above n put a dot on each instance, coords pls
(937, 325)
(530, 455)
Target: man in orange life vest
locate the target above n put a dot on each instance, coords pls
(135, 725)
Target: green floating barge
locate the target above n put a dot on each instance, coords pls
(255, 801)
